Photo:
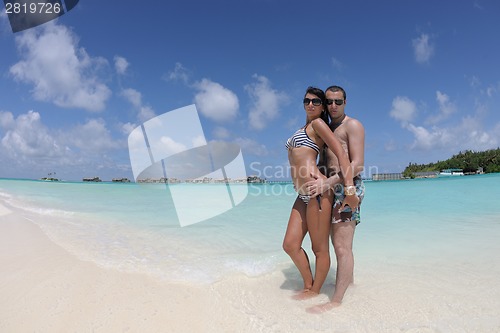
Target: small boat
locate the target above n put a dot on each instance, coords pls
(49, 179)
(92, 179)
(451, 172)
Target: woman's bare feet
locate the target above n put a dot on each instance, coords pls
(305, 294)
(323, 307)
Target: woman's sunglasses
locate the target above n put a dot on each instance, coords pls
(315, 101)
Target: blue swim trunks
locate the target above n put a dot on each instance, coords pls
(347, 215)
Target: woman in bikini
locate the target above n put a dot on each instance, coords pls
(314, 215)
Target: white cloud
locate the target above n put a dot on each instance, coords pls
(121, 65)
(6, 119)
(170, 147)
(422, 48)
(127, 128)
(199, 141)
(403, 109)
(145, 113)
(221, 133)
(180, 73)
(266, 102)
(435, 138)
(469, 134)
(60, 71)
(252, 147)
(30, 148)
(459, 134)
(134, 97)
(216, 102)
(26, 137)
(493, 90)
(93, 136)
(446, 108)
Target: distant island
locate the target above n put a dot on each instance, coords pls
(469, 161)
(98, 180)
(466, 162)
(204, 180)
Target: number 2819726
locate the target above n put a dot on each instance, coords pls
(33, 8)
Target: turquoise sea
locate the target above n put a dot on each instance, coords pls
(421, 224)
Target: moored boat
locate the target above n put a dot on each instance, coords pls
(451, 172)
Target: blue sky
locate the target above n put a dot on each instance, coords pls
(423, 78)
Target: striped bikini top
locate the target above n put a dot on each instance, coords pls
(301, 139)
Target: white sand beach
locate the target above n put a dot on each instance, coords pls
(43, 288)
(46, 289)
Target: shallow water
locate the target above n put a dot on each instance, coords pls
(452, 222)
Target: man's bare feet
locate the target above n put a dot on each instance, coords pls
(305, 294)
(323, 307)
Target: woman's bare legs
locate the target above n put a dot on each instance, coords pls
(318, 225)
(292, 243)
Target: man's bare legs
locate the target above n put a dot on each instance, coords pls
(292, 243)
(342, 238)
(318, 225)
(342, 235)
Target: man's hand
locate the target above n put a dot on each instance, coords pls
(350, 200)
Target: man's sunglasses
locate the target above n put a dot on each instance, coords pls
(337, 101)
(315, 101)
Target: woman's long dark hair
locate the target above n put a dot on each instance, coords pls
(321, 95)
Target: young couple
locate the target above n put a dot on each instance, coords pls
(328, 199)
